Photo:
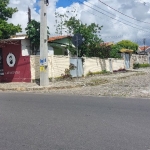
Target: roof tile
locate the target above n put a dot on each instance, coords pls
(58, 38)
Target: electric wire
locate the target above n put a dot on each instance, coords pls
(123, 13)
(112, 17)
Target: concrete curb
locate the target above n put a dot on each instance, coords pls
(23, 89)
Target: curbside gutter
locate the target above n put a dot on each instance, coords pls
(27, 89)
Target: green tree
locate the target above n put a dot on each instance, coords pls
(7, 29)
(128, 45)
(33, 33)
(114, 52)
(88, 32)
(102, 52)
(61, 19)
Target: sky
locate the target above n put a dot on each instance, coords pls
(121, 19)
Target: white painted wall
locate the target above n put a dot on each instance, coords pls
(50, 50)
(58, 64)
(25, 47)
(95, 64)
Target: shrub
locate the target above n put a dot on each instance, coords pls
(137, 65)
(144, 65)
(66, 74)
(98, 72)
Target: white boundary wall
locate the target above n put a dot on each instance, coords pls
(96, 64)
(58, 64)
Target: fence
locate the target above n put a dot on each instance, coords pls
(141, 59)
(96, 64)
(58, 64)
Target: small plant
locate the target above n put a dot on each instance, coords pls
(104, 71)
(89, 73)
(144, 65)
(96, 73)
(72, 67)
(66, 74)
(136, 65)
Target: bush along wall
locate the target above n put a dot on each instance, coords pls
(137, 65)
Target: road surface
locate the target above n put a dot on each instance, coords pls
(57, 122)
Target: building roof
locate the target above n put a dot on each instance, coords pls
(19, 37)
(106, 43)
(142, 48)
(123, 50)
(58, 38)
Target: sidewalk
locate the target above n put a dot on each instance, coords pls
(22, 86)
(68, 84)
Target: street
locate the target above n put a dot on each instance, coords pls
(58, 122)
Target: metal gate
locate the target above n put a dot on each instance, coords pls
(148, 57)
(127, 60)
(78, 71)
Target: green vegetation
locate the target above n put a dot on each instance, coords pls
(7, 29)
(73, 26)
(97, 73)
(137, 65)
(33, 32)
(128, 45)
(88, 32)
(92, 45)
(114, 53)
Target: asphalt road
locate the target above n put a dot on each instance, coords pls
(55, 122)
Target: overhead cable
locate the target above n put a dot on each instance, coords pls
(123, 13)
(112, 17)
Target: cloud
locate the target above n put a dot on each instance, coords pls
(93, 11)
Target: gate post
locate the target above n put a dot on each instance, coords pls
(110, 65)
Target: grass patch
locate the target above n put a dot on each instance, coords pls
(97, 73)
(137, 65)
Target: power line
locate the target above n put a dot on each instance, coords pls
(123, 13)
(112, 17)
(103, 18)
(119, 17)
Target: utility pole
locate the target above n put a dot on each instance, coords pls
(44, 78)
(77, 54)
(29, 15)
(144, 44)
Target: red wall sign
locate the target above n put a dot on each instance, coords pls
(15, 68)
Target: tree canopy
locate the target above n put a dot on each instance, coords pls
(88, 32)
(128, 45)
(33, 33)
(115, 49)
(114, 52)
(72, 26)
(91, 46)
(7, 29)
